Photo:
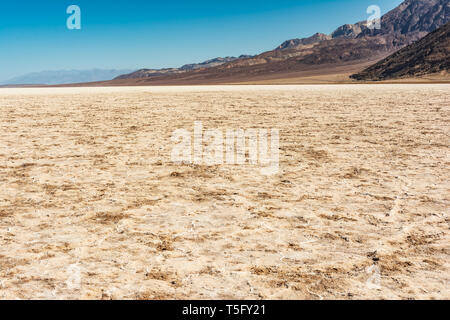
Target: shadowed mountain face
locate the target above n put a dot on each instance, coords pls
(349, 44)
(426, 56)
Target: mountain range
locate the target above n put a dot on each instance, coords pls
(148, 73)
(333, 57)
(349, 48)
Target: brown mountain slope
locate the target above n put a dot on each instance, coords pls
(293, 43)
(426, 56)
(149, 73)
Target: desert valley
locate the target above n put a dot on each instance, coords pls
(94, 205)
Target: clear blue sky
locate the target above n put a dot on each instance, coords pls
(133, 34)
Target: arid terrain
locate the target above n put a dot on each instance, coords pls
(91, 206)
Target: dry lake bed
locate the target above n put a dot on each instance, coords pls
(93, 207)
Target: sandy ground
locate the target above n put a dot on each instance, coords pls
(91, 206)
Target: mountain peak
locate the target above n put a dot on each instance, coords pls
(411, 16)
(317, 37)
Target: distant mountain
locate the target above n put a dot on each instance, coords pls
(65, 77)
(212, 63)
(149, 73)
(318, 37)
(426, 56)
(350, 44)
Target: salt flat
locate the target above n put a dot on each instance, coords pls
(91, 205)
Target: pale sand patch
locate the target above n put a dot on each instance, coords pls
(88, 189)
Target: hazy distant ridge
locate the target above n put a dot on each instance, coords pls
(65, 76)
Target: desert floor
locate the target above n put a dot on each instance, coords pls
(91, 206)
